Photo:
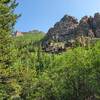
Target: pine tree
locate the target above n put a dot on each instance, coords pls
(7, 21)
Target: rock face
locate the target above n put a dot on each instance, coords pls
(89, 26)
(68, 29)
(64, 29)
(97, 20)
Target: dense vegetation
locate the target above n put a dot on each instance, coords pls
(28, 73)
(72, 75)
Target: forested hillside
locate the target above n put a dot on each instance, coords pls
(27, 72)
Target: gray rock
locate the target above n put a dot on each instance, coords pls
(68, 28)
(98, 33)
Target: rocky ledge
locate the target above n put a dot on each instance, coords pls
(68, 29)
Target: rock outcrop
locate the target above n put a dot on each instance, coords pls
(68, 29)
(63, 30)
(97, 20)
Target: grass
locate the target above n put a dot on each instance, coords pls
(35, 37)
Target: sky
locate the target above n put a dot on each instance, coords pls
(43, 14)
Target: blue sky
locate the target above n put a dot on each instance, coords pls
(43, 14)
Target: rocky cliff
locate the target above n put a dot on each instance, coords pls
(68, 29)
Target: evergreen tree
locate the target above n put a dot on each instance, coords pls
(7, 21)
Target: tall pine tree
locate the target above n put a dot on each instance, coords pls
(7, 21)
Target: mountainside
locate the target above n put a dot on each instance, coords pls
(68, 29)
(18, 33)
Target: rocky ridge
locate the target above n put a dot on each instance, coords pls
(64, 32)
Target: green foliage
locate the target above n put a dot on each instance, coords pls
(72, 75)
(7, 21)
(7, 50)
(36, 75)
(28, 73)
(31, 37)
